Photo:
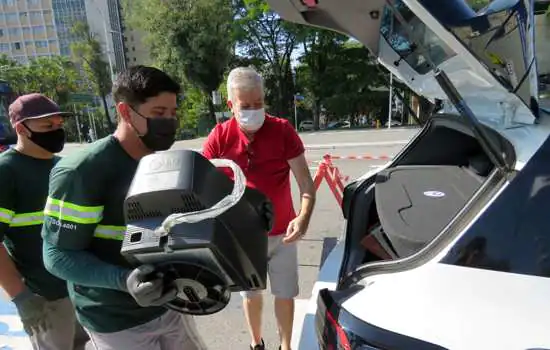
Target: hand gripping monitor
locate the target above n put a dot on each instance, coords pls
(203, 232)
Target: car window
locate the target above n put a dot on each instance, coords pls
(512, 234)
(399, 38)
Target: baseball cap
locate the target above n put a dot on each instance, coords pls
(33, 106)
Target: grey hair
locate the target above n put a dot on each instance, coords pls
(243, 78)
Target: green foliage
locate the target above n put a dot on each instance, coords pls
(192, 39)
(55, 77)
(87, 52)
(478, 4)
(262, 33)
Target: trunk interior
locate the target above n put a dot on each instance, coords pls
(405, 206)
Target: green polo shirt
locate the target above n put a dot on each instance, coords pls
(23, 193)
(85, 212)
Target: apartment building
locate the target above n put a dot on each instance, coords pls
(34, 28)
(123, 46)
(28, 29)
(137, 50)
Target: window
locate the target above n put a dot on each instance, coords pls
(17, 46)
(14, 31)
(26, 31)
(4, 47)
(1, 33)
(33, 2)
(11, 17)
(399, 38)
(41, 44)
(38, 30)
(35, 15)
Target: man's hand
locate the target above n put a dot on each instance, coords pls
(296, 229)
(33, 310)
(148, 288)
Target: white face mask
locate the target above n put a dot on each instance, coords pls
(252, 119)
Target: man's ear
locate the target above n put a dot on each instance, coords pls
(123, 111)
(20, 129)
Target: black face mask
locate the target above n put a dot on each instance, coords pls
(51, 141)
(161, 133)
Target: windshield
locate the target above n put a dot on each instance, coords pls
(423, 47)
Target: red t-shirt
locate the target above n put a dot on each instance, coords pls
(264, 161)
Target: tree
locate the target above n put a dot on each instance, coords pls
(340, 74)
(88, 53)
(321, 48)
(55, 77)
(262, 33)
(193, 37)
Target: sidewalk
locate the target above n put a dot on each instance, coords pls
(12, 335)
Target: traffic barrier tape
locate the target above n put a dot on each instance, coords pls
(365, 157)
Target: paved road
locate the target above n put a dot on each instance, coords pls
(226, 330)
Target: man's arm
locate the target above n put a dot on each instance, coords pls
(300, 169)
(295, 155)
(71, 215)
(10, 279)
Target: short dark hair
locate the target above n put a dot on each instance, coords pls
(138, 83)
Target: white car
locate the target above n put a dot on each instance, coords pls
(448, 245)
(393, 123)
(306, 125)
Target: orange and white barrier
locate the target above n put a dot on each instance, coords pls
(334, 179)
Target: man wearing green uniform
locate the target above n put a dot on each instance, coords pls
(121, 307)
(41, 298)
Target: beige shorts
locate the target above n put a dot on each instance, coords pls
(171, 331)
(64, 333)
(282, 269)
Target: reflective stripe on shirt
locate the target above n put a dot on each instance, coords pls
(110, 232)
(78, 214)
(6, 215)
(27, 219)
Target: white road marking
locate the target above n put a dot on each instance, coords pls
(355, 144)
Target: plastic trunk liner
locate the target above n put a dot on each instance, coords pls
(416, 202)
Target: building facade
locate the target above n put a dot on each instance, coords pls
(28, 29)
(34, 28)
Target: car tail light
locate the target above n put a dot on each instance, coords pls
(3, 148)
(341, 336)
(331, 332)
(338, 329)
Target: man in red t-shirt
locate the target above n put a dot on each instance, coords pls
(267, 149)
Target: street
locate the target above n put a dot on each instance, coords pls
(226, 329)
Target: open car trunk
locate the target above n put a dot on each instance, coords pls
(482, 66)
(405, 206)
